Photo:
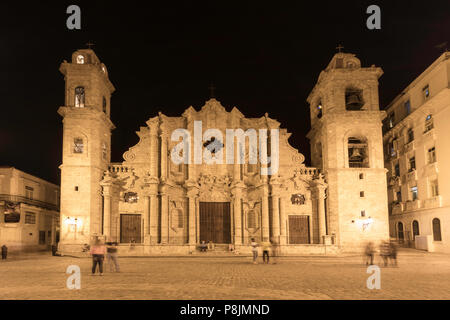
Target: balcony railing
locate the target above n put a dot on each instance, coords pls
(32, 202)
(397, 207)
(118, 167)
(412, 205)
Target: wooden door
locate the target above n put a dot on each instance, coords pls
(298, 229)
(215, 222)
(130, 228)
(401, 235)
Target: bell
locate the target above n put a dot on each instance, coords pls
(353, 100)
(355, 154)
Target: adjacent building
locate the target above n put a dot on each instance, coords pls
(417, 156)
(29, 211)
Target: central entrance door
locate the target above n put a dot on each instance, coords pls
(298, 229)
(130, 228)
(215, 222)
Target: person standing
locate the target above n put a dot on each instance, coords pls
(98, 251)
(4, 252)
(275, 250)
(254, 245)
(369, 252)
(266, 251)
(385, 252)
(111, 255)
(393, 253)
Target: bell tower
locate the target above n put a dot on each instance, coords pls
(346, 144)
(86, 147)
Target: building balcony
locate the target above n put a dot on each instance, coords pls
(429, 135)
(434, 202)
(31, 202)
(118, 167)
(410, 146)
(397, 207)
(430, 169)
(412, 205)
(394, 181)
(410, 176)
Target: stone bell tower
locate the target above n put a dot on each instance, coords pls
(346, 144)
(86, 147)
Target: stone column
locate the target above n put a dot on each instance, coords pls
(275, 218)
(106, 212)
(321, 213)
(197, 218)
(164, 218)
(192, 198)
(154, 148)
(154, 218)
(283, 221)
(265, 213)
(192, 224)
(237, 218)
(146, 217)
(163, 156)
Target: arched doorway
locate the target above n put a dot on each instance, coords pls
(415, 228)
(400, 232)
(437, 230)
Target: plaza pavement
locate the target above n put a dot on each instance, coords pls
(420, 275)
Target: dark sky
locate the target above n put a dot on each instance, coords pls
(261, 56)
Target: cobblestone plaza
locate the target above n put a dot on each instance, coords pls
(420, 275)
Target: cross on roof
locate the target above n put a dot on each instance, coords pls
(90, 44)
(339, 47)
(212, 88)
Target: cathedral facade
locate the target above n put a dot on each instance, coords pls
(241, 179)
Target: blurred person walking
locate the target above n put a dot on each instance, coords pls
(4, 252)
(385, 252)
(275, 251)
(98, 251)
(254, 245)
(111, 256)
(369, 253)
(393, 253)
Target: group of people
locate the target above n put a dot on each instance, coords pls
(206, 246)
(98, 250)
(268, 247)
(388, 252)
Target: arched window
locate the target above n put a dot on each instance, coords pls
(79, 97)
(104, 105)
(400, 232)
(251, 219)
(80, 59)
(353, 99)
(415, 227)
(437, 230)
(358, 153)
(319, 110)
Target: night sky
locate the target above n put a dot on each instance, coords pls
(261, 56)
